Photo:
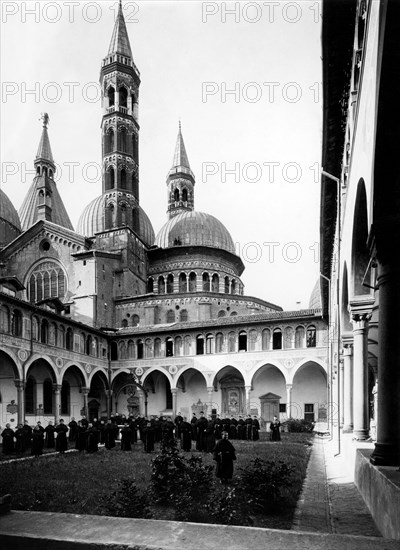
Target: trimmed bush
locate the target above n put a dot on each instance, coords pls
(298, 425)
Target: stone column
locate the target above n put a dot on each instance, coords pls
(174, 392)
(348, 388)
(141, 403)
(247, 389)
(360, 320)
(109, 402)
(57, 402)
(289, 388)
(210, 391)
(387, 447)
(39, 397)
(341, 391)
(20, 401)
(85, 392)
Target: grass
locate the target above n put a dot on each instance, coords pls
(79, 483)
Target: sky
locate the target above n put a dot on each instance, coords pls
(244, 78)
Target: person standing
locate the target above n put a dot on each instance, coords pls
(28, 434)
(61, 441)
(8, 440)
(73, 429)
(126, 435)
(224, 454)
(201, 432)
(148, 435)
(37, 440)
(186, 435)
(49, 435)
(178, 422)
(275, 430)
(92, 439)
(80, 443)
(19, 439)
(256, 428)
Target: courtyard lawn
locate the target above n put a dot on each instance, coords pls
(79, 483)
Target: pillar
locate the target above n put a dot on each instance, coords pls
(108, 402)
(174, 392)
(347, 388)
(360, 320)
(85, 392)
(57, 402)
(289, 388)
(387, 446)
(248, 390)
(20, 401)
(210, 391)
(341, 391)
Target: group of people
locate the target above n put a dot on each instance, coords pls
(34, 439)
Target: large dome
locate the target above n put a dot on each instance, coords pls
(10, 225)
(92, 221)
(195, 229)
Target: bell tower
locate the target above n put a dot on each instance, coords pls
(120, 81)
(180, 180)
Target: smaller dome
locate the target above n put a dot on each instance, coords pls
(315, 298)
(195, 229)
(7, 211)
(92, 221)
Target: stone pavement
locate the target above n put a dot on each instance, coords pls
(330, 502)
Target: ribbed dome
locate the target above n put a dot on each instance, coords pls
(92, 221)
(195, 229)
(315, 298)
(10, 226)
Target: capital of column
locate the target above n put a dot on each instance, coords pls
(57, 388)
(360, 321)
(174, 391)
(85, 391)
(210, 389)
(19, 384)
(289, 387)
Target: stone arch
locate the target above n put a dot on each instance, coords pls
(359, 252)
(345, 317)
(268, 391)
(76, 367)
(309, 390)
(9, 359)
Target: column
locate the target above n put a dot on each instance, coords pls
(289, 388)
(141, 403)
(341, 391)
(248, 390)
(210, 391)
(108, 402)
(57, 402)
(347, 388)
(85, 392)
(20, 401)
(360, 374)
(387, 447)
(174, 392)
(39, 398)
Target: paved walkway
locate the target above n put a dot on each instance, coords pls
(330, 502)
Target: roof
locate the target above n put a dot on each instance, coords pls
(120, 39)
(7, 211)
(195, 229)
(180, 162)
(44, 149)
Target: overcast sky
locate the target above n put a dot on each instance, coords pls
(245, 80)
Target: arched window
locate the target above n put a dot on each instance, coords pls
(111, 96)
(169, 347)
(35, 329)
(209, 343)
(150, 284)
(148, 348)
(30, 396)
(227, 285)
(233, 287)
(123, 97)
(178, 346)
(176, 195)
(109, 141)
(114, 351)
(89, 345)
(215, 283)
(44, 331)
(184, 194)
(157, 347)
(123, 141)
(139, 349)
(16, 323)
(231, 342)
(299, 337)
(61, 337)
(123, 179)
(192, 282)
(161, 285)
(187, 345)
(65, 398)
(219, 342)
(4, 319)
(135, 320)
(252, 340)
(221, 313)
(110, 178)
(289, 338)
(266, 339)
(200, 345)
(48, 396)
(124, 323)
(184, 315)
(233, 313)
(311, 337)
(170, 284)
(242, 341)
(131, 349)
(206, 282)
(170, 316)
(182, 282)
(277, 339)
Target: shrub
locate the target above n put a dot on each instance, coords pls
(224, 507)
(298, 425)
(263, 482)
(127, 501)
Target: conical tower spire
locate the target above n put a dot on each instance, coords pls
(180, 180)
(44, 150)
(120, 39)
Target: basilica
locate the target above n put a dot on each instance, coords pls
(111, 318)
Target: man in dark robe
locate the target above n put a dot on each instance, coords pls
(126, 438)
(110, 433)
(249, 428)
(224, 455)
(37, 440)
(80, 443)
(193, 423)
(256, 428)
(178, 421)
(19, 439)
(274, 430)
(218, 427)
(133, 427)
(84, 421)
(201, 432)
(148, 438)
(186, 435)
(101, 428)
(241, 428)
(92, 438)
(49, 435)
(210, 436)
(8, 440)
(232, 428)
(61, 441)
(28, 434)
(73, 429)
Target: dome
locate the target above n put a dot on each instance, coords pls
(195, 229)
(10, 226)
(92, 221)
(315, 298)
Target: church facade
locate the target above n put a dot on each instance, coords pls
(113, 318)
